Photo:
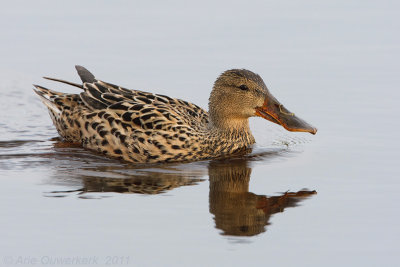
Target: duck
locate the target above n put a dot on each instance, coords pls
(142, 127)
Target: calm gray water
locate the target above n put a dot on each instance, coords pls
(297, 199)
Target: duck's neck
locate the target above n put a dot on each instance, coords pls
(231, 130)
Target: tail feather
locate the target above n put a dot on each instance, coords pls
(47, 96)
(56, 102)
(63, 81)
(85, 75)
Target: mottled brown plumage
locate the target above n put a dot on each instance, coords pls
(142, 127)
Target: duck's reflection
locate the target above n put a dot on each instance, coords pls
(236, 211)
(140, 181)
(138, 185)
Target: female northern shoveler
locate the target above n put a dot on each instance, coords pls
(143, 127)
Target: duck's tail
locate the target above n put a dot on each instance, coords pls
(63, 110)
(48, 97)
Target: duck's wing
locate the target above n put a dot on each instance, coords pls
(99, 95)
(102, 95)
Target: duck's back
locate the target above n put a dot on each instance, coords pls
(128, 124)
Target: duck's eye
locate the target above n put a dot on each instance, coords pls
(244, 87)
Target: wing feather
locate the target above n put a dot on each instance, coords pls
(134, 106)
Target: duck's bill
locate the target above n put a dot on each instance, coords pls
(275, 112)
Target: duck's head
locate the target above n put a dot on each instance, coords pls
(239, 94)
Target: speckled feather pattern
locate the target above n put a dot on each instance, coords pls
(138, 126)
